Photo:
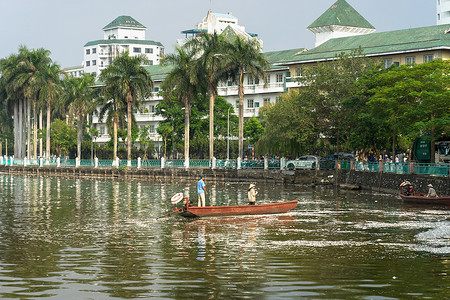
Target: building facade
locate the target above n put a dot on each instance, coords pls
(122, 34)
(443, 12)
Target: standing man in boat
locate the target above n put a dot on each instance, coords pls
(201, 191)
(252, 194)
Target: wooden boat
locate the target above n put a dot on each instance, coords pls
(423, 199)
(217, 211)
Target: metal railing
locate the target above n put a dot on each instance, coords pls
(441, 169)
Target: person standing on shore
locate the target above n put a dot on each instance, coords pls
(201, 191)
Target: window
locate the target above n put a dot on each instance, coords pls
(279, 77)
(257, 80)
(266, 101)
(151, 129)
(249, 80)
(136, 50)
(152, 108)
(237, 103)
(102, 130)
(250, 103)
(256, 104)
(94, 62)
(387, 63)
(88, 51)
(428, 58)
(156, 89)
(88, 63)
(268, 78)
(94, 50)
(151, 62)
(298, 71)
(148, 50)
(410, 60)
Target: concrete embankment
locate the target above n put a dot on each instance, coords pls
(382, 182)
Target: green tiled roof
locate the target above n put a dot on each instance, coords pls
(275, 57)
(123, 41)
(124, 21)
(159, 72)
(342, 14)
(406, 40)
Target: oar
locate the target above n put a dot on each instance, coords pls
(166, 215)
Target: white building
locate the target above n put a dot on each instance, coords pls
(443, 12)
(215, 22)
(124, 33)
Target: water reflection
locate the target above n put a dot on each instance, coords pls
(81, 239)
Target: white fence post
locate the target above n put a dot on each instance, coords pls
(138, 163)
(41, 161)
(282, 163)
(163, 160)
(96, 162)
(77, 162)
(238, 163)
(128, 163)
(25, 162)
(58, 162)
(266, 163)
(213, 165)
(186, 163)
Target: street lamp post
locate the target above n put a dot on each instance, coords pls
(228, 133)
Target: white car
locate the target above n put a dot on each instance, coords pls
(303, 162)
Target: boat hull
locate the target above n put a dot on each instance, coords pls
(217, 211)
(423, 199)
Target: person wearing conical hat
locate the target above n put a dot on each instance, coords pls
(431, 191)
(252, 194)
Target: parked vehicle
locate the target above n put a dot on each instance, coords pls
(303, 162)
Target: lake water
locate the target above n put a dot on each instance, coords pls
(92, 239)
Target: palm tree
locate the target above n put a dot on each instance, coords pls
(114, 106)
(245, 56)
(132, 81)
(20, 74)
(181, 84)
(210, 50)
(51, 89)
(79, 96)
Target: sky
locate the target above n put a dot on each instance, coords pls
(64, 26)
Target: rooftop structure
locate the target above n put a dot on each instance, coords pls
(216, 22)
(340, 20)
(122, 34)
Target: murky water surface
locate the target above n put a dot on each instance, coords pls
(92, 239)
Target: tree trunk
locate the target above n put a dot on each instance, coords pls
(394, 141)
(79, 134)
(211, 125)
(241, 115)
(115, 125)
(40, 127)
(35, 130)
(129, 101)
(20, 141)
(16, 129)
(29, 129)
(47, 140)
(187, 112)
(432, 142)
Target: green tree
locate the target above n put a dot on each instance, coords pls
(245, 56)
(79, 96)
(63, 138)
(211, 51)
(50, 90)
(253, 130)
(183, 83)
(133, 83)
